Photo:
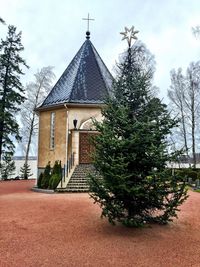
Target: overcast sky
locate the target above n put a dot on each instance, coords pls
(53, 31)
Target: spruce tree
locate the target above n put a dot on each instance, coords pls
(11, 89)
(25, 171)
(7, 166)
(132, 184)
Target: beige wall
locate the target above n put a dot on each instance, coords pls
(45, 154)
(61, 127)
(82, 114)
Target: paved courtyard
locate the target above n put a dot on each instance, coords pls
(39, 229)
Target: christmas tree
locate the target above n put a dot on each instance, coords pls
(132, 184)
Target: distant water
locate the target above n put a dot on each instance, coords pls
(19, 162)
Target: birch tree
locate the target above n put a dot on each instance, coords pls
(192, 102)
(2, 21)
(176, 94)
(184, 95)
(36, 92)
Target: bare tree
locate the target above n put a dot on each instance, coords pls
(36, 92)
(184, 95)
(2, 21)
(192, 102)
(196, 31)
(176, 94)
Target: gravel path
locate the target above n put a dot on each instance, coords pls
(66, 230)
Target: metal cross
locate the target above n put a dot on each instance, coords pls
(88, 21)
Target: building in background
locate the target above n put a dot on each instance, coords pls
(66, 115)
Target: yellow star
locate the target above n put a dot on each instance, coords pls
(129, 34)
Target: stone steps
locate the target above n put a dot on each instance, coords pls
(74, 190)
(79, 180)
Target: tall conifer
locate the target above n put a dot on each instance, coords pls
(11, 89)
(132, 184)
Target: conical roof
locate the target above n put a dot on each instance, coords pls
(85, 81)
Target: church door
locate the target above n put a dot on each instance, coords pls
(85, 147)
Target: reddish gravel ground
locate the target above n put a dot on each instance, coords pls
(39, 229)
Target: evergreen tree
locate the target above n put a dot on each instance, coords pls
(39, 180)
(25, 171)
(46, 176)
(132, 184)
(11, 89)
(7, 166)
(56, 175)
(57, 168)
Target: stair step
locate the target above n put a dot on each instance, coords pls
(78, 188)
(77, 183)
(79, 179)
(75, 191)
(65, 190)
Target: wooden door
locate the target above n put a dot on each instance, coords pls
(85, 147)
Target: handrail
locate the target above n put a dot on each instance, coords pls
(67, 168)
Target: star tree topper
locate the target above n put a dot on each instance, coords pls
(129, 34)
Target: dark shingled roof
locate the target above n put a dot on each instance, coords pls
(85, 81)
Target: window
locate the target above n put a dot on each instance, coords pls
(52, 131)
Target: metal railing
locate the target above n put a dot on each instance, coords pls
(67, 168)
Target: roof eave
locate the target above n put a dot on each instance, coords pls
(58, 106)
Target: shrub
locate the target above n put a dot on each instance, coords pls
(40, 180)
(57, 169)
(192, 174)
(56, 175)
(46, 176)
(54, 181)
(50, 179)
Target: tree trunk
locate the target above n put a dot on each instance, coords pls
(193, 140)
(184, 133)
(193, 125)
(2, 110)
(31, 133)
(1, 138)
(28, 146)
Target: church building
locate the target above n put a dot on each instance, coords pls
(65, 116)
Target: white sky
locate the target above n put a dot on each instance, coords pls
(53, 31)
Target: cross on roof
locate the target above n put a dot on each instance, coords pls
(88, 21)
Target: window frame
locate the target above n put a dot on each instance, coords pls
(52, 130)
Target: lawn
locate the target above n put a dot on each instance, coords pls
(39, 229)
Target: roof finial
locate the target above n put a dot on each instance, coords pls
(129, 34)
(88, 24)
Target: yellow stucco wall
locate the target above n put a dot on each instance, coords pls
(82, 114)
(45, 154)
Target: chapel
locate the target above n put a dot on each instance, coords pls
(66, 115)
